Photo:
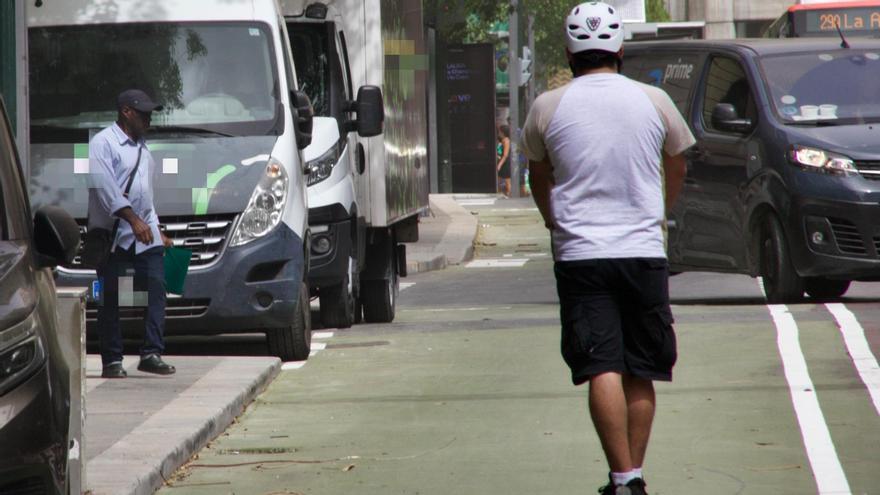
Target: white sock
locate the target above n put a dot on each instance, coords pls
(638, 472)
(623, 478)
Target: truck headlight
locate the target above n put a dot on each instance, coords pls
(263, 212)
(320, 168)
(816, 159)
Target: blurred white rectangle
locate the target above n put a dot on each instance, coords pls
(80, 165)
(169, 166)
(630, 10)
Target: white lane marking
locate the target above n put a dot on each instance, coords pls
(859, 351)
(321, 335)
(406, 285)
(476, 202)
(497, 263)
(536, 255)
(824, 462)
(508, 256)
(316, 348)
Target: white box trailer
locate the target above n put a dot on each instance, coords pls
(365, 193)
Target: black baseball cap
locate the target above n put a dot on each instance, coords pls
(138, 100)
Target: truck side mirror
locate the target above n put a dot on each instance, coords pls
(304, 118)
(56, 236)
(725, 118)
(370, 112)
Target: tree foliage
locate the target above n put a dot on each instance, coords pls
(471, 21)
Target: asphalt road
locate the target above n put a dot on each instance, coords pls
(465, 393)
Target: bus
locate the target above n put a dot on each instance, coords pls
(860, 18)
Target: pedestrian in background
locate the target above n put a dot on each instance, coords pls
(605, 160)
(119, 160)
(502, 168)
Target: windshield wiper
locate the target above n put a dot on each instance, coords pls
(186, 129)
(818, 123)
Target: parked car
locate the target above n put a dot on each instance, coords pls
(784, 181)
(34, 388)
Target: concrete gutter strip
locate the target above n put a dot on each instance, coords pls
(140, 462)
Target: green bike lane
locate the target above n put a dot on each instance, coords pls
(466, 393)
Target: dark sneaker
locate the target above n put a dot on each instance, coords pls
(114, 370)
(152, 363)
(634, 487)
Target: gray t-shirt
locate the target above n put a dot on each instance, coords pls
(603, 134)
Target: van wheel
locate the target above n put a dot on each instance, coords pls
(379, 297)
(782, 284)
(823, 288)
(338, 302)
(294, 342)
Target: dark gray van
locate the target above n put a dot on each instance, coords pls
(784, 181)
(34, 388)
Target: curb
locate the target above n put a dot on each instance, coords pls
(151, 473)
(456, 245)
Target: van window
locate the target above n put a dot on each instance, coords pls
(674, 73)
(726, 82)
(346, 64)
(14, 211)
(214, 75)
(309, 43)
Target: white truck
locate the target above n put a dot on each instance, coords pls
(365, 191)
(228, 174)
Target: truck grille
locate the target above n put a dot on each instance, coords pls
(205, 236)
(869, 169)
(848, 238)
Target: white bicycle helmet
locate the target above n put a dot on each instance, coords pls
(594, 26)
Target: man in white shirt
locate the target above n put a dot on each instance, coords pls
(605, 162)
(114, 154)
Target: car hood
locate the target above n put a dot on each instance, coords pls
(858, 141)
(191, 175)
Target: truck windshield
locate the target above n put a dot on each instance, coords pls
(310, 45)
(825, 88)
(217, 78)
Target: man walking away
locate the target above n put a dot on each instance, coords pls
(117, 155)
(602, 149)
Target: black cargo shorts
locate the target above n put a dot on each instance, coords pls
(615, 317)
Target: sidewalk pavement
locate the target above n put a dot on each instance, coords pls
(141, 429)
(446, 236)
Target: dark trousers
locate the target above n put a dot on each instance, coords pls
(148, 270)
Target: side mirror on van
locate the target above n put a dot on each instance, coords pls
(56, 236)
(725, 118)
(304, 118)
(370, 111)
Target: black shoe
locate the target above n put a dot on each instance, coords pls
(152, 363)
(114, 370)
(634, 487)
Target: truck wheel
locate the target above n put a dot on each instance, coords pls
(782, 284)
(379, 297)
(294, 342)
(337, 302)
(823, 288)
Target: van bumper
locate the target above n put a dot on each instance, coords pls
(328, 269)
(835, 239)
(33, 453)
(250, 288)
